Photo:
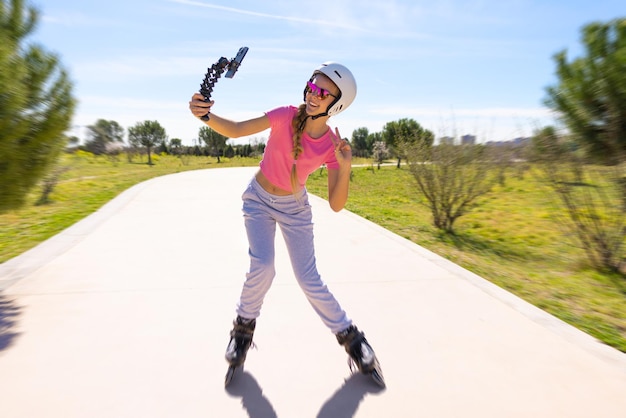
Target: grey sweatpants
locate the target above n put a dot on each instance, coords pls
(262, 211)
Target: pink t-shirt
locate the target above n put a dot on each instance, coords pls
(278, 155)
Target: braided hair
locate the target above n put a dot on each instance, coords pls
(298, 124)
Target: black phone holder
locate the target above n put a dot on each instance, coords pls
(215, 71)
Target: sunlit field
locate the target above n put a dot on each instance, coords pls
(512, 239)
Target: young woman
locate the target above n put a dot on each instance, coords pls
(300, 141)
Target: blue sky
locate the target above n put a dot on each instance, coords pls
(457, 67)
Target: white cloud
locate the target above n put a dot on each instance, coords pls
(294, 19)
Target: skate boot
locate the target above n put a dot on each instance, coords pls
(361, 353)
(240, 342)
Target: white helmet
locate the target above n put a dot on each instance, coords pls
(344, 79)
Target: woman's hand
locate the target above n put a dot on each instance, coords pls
(343, 151)
(339, 180)
(198, 106)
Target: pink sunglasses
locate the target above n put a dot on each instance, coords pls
(317, 91)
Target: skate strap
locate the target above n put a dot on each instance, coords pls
(351, 338)
(243, 330)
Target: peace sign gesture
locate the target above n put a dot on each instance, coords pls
(343, 150)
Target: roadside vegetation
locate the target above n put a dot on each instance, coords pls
(514, 238)
(543, 217)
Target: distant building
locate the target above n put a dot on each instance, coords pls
(468, 140)
(522, 141)
(514, 143)
(446, 140)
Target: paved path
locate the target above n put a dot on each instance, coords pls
(127, 313)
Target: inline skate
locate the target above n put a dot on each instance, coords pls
(240, 342)
(361, 354)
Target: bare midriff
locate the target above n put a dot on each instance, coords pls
(269, 187)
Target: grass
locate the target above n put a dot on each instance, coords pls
(511, 239)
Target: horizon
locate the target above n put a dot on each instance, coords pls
(456, 68)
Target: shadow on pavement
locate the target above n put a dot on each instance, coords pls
(345, 402)
(9, 312)
(246, 387)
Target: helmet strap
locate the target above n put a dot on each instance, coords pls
(301, 127)
(329, 106)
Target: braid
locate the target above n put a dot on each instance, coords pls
(298, 127)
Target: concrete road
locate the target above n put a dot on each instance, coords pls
(127, 314)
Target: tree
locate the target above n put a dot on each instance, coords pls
(229, 152)
(452, 178)
(258, 146)
(36, 105)
(177, 145)
(148, 134)
(591, 198)
(380, 152)
(102, 135)
(360, 146)
(372, 139)
(214, 141)
(401, 134)
(590, 96)
(73, 141)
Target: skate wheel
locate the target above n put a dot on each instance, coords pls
(378, 378)
(229, 375)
